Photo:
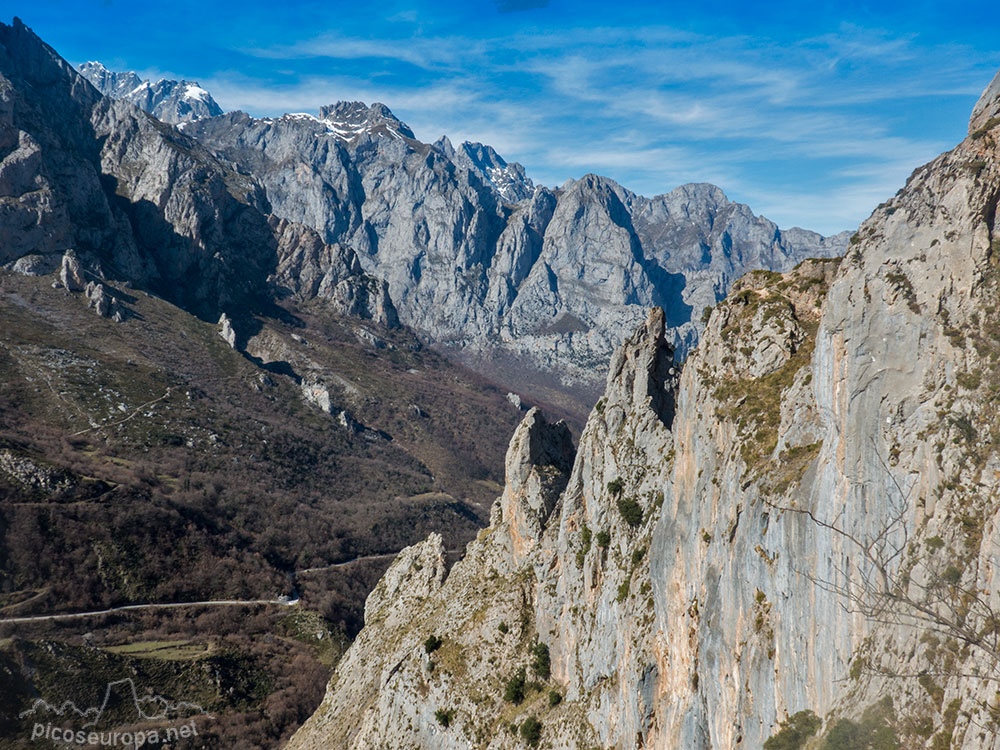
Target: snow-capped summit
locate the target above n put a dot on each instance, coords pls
(109, 83)
(170, 101)
(350, 119)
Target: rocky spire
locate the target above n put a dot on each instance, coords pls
(988, 105)
(538, 464)
(643, 371)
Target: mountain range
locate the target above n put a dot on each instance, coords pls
(170, 101)
(531, 285)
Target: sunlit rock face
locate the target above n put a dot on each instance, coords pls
(697, 581)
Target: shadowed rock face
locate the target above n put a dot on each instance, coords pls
(133, 197)
(117, 194)
(687, 583)
(537, 469)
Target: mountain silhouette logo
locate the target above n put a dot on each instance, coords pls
(147, 708)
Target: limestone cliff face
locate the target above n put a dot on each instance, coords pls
(714, 563)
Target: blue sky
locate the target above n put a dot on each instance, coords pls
(811, 113)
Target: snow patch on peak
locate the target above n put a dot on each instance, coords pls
(347, 121)
(508, 179)
(170, 101)
(196, 92)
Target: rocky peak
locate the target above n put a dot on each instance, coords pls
(167, 100)
(702, 195)
(175, 101)
(987, 107)
(643, 374)
(509, 179)
(110, 83)
(538, 463)
(348, 120)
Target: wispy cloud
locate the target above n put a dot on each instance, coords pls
(430, 53)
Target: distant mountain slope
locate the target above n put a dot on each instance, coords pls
(105, 207)
(531, 284)
(170, 101)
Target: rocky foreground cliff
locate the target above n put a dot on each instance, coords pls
(795, 538)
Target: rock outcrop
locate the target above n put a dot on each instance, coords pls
(537, 469)
(226, 330)
(987, 108)
(71, 273)
(103, 302)
(806, 522)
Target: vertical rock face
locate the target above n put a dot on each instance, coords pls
(707, 570)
